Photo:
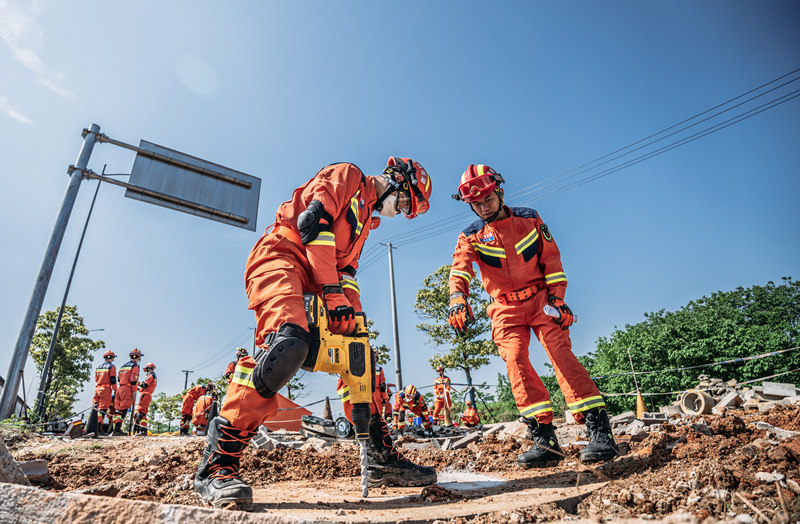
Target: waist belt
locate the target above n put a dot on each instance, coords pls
(288, 233)
(520, 295)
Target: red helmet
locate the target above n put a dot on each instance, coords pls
(241, 352)
(477, 182)
(210, 386)
(469, 403)
(135, 353)
(411, 390)
(150, 365)
(440, 368)
(109, 354)
(410, 177)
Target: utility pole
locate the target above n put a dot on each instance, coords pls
(186, 381)
(8, 399)
(397, 368)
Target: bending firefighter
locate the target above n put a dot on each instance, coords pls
(410, 401)
(312, 247)
(146, 388)
(128, 382)
(189, 398)
(520, 265)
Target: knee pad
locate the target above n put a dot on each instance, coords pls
(276, 365)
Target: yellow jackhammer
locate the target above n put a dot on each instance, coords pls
(349, 356)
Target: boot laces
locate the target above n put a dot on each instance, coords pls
(231, 469)
(387, 437)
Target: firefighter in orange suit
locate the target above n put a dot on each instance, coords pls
(105, 377)
(128, 382)
(387, 403)
(470, 417)
(520, 266)
(204, 410)
(146, 388)
(189, 398)
(313, 246)
(240, 352)
(411, 400)
(441, 397)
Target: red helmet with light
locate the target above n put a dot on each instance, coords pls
(408, 176)
(478, 181)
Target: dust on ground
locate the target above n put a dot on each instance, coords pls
(706, 471)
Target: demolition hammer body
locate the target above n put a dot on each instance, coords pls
(349, 356)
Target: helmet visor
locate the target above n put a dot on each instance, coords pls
(477, 188)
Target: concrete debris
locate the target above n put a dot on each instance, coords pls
(157, 457)
(654, 418)
(778, 432)
(622, 418)
(10, 471)
(262, 440)
(779, 389)
(763, 476)
(463, 442)
(515, 430)
(35, 470)
(315, 443)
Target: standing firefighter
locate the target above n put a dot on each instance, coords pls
(105, 377)
(240, 352)
(313, 247)
(441, 401)
(521, 269)
(411, 400)
(189, 398)
(128, 381)
(146, 388)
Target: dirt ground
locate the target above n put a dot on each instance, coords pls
(704, 472)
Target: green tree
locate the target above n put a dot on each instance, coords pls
(468, 351)
(295, 387)
(727, 325)
(72, 359)
(164, 410)
(381, 351)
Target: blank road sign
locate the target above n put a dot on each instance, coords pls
(186, 183)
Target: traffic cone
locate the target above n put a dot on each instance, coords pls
(640, 406)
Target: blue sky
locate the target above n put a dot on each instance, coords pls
(280, 89)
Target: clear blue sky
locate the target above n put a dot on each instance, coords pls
(280, 89)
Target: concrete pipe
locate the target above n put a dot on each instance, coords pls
(695, 402)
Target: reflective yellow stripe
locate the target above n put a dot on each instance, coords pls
(325, 238)
(349, 282)
(532, 237)
(480, 167)
(463, 274)
(535, 409)
(354, 209)
(488, 250)
(552, 278)
(586, 404)
(243, 376)
(344, 393)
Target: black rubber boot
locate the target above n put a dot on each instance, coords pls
(217, 480)
(387, 467)
(118, 430)
(184, 425)
(545, 450)
(601, 440)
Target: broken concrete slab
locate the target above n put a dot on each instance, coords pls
(766, 405)
(315, 443)
(37, 506)
(9, 468)
(465, 441)
(670, 410)
(35, 470)
(649, 418)
(778, 432)
(790, 400)
(623, 418)
(779, 389)
(637, 426)
(515, 429)
(731, 399)
(569, 418)
(491, 429)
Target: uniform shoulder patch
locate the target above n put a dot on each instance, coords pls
(546, 233)
(524, 212)
(474, 227)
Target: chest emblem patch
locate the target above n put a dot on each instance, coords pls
(486, 238)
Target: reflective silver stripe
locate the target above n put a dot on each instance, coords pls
(535, 409)
(532, 237)
(354, 209)
(349, 282)
(325, 238)
(488, 250)
(552, 278)
(243, 376)
(586, 404)
(463, 274)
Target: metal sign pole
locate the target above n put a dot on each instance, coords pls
(20, 356)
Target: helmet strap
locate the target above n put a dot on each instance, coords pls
(499, 192)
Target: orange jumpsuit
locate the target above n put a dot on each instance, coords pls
(190, 397)
(470, 417)
(441, 394)
(416, 405)
(280, 268)
(229, 370)
(128, 380)
(520, 266)
(105, 376)
(146, 388)
(201, 410)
